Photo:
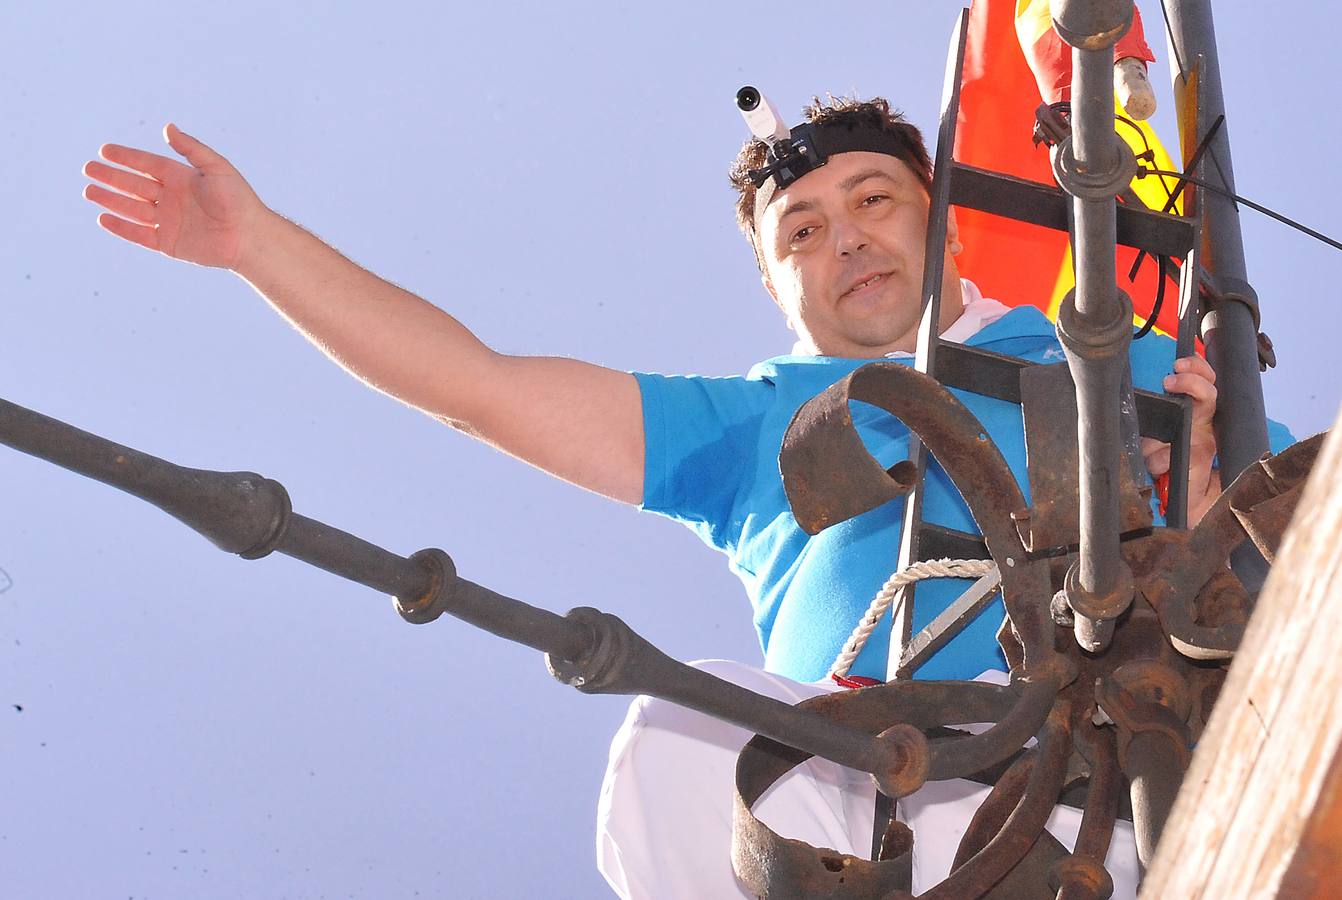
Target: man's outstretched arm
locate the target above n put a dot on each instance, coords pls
(580, 422)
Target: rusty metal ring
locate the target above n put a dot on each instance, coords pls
(434, 602)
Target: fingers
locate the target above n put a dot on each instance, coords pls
(126, 182)
(196, 153)
(1158, 460)
(1195, 378)
(1156, 455)
(1195, 365)
(1195, 385)
(136, 234)
(159, 167)
(126, 207)
(132, 208)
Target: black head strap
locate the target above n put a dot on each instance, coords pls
(809, 147)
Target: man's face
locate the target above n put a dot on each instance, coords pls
(843, 256)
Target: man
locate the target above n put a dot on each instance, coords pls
(840, 251)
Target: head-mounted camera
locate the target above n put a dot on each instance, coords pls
(794, 152)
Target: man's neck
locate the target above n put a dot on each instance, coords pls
(951, 316)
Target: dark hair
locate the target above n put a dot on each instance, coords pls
(874, 113)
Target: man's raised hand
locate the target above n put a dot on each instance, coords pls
(579, 422)
(199, 212)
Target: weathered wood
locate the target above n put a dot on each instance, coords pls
(1315, 871)
(1259, 814)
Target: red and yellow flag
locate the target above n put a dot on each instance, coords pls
(1016, 263)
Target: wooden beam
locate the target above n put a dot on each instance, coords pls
(1260, 812)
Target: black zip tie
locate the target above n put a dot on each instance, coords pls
(1148, 154)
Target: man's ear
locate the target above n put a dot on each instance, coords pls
(953, 245)
(769, 286)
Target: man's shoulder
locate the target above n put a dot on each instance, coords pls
(1016, 322)
(780, 368)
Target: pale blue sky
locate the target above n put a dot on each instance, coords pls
(194, 725)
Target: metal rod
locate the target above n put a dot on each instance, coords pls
(934, 262)
(1095, 150)
(1099, 381)
(244, 513)
(353, 558)
(651, 672)
(1154, 773)
(948, 623)
(925, 359)
(1095, 321)
(1083, 876)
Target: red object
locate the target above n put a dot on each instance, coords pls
(855, 681)
(1009, 261)
(1051, 59)
(1162, 483)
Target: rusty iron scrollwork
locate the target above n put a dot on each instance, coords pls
(1124, 717)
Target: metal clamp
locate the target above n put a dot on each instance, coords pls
(1094, 185)
(1095, 613)
(1090, 340)
(1225, 289)
(1222, 290)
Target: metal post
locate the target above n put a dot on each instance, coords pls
(1229, 327)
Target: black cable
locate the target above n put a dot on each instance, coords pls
(1203, 146)
(1155, 307)
(1137, 128)
(1318, 236)
(1147, 155)
(1181, 181)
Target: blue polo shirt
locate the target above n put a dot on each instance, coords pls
(711, 463)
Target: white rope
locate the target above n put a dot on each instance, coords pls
(932, 568)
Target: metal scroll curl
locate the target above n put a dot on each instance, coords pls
(829, 477)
